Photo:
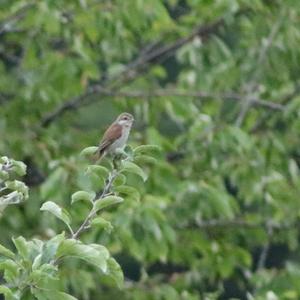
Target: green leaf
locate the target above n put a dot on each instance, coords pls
(7, 293)
(140, 159)
(37, 262)
(19, 167)
(49, 269)
(3, 175)
(131, 167)
(293, 170)
(44, 277)
(102, 223)
(219, 200)
(128, 150)
(83, 196)
(35, 248)
(18, 186)
(115, 271)
(4, 159)
(89, 151)
(131, 192)
(49, 189)
(56, 211)
(50, 248)
(146, 149)
(100, 171)
(11, 270)
(11, 198)
(107, 201)
(94, 183)
(243, 139)
(22, 246)
(119, 180)
(6, 252)
(48, 294)
(96, 255)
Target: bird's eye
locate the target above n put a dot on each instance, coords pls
(125, 118)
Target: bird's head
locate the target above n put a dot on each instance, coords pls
(125, 119)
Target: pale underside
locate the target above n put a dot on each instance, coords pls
(110, 145)
(121, 142)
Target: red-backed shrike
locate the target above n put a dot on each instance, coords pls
(116, 135)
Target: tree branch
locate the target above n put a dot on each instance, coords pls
(193, 94)
(264, 252)
(131, 71)
(6, 25)
(72, 104)
(153, 55)
(99, 91)
(81, 100)
(106, 190)
(266, 116)
(235, 224)
(252, 84)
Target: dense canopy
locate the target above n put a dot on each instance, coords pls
(214, 85)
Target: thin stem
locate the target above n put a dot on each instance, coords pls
(70, 229)
(84, 224)
(106, 190)
(262, 56)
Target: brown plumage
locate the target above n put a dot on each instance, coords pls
(116, 135)
(112, 133)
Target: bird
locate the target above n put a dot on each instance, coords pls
(116, 135)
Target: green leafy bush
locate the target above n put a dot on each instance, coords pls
(34, 269)
(215, 84)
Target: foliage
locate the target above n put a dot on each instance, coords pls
(35, 269)
(214, 84)
(12, 191)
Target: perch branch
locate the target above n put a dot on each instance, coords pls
(106, 190)
(131, 71)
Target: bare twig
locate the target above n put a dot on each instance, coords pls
(7, 24)
(155, 54)
(84, 225)
(235, 224)
(252, 84)
(83, 99)
(264, 253)
(106, 190)
(131, 71)
(71, 104)
(266, 116)
(193, 94)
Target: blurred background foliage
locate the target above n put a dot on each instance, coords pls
(216, 85)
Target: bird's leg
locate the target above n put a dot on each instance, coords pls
(115, 162)
(120, 151)
(118, 156)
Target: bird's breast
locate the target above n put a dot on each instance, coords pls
(121, 141)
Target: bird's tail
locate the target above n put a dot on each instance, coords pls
(98, 155)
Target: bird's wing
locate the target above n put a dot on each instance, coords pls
(113, 133)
